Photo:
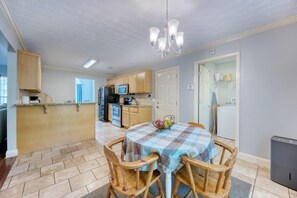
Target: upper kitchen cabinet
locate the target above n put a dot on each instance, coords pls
(144, 82)
(140, 82)
(29, 71)
(110, 82)
(132, 83)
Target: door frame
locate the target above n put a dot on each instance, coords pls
(196, 88)
(156, 84)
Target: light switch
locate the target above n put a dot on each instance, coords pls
(190, 87)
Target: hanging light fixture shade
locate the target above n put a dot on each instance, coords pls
(162, 43)
(154, 33)
(172, 28)
(180, 39)
(172, 40)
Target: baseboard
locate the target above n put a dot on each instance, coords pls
(11, 153)
(254, 159)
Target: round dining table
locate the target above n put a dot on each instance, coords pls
(182, 139)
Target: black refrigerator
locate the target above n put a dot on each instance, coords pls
(106, 95)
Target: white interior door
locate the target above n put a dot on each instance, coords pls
(166, 93)
(204, 96)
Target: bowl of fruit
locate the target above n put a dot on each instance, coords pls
(166, 123)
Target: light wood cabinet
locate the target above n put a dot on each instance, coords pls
(140, 82)
(133, 119)
(62, 124)
(29, 71)
(144, 82)
(115, 82)
(132, 83)
(125, 80)
(125, 118)
(109, 112)
(119, 80)
(110, 82)
(135, 115)
(133, 110)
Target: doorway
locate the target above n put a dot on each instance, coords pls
(167, 93)
(84, 90)
(216, 95)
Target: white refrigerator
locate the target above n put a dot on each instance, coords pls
(227, 122)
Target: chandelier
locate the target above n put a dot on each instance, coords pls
(172, 40)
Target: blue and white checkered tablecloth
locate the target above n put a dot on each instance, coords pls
(182, 139)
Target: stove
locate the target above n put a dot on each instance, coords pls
(116, 115)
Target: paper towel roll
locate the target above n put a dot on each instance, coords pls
(25, 100)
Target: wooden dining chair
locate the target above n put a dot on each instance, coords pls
(208, 180)
(196, 125)
(126, 177)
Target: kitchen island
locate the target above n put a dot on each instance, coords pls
(41, 126)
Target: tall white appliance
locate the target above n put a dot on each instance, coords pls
(227, 122)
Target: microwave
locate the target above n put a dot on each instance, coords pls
(123, 89)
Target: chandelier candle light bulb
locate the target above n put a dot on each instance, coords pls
(172, 40)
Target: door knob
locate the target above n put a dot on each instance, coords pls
(157, 107)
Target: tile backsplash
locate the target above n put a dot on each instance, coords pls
(142, 99)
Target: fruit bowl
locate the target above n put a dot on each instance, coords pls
(167, 122)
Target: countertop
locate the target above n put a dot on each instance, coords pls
(135, 106)
(53, 104)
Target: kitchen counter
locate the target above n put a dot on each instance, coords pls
(135, 106)
(53, 104)
(41, 126)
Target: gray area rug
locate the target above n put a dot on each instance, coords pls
(239, 189)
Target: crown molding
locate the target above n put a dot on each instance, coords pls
(90, 73)
(11, 21)
(265, 28)
(228, 39)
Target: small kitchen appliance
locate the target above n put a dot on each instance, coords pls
(127, 101)
(34, 100)
(123, 89)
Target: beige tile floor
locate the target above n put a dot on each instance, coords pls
(75, 170)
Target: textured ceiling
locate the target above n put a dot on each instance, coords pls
(68, 32)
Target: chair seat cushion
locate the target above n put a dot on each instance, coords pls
(198, 175)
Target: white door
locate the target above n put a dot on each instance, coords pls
(204, 96)
(166, 93)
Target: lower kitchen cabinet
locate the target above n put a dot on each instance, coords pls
(135, 115)
(125, 119)
(109, 112)
(133, 119)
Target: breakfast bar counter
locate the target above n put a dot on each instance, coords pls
(41, 126)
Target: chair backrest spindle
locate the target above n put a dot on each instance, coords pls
(123, 173)
(216, 177)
